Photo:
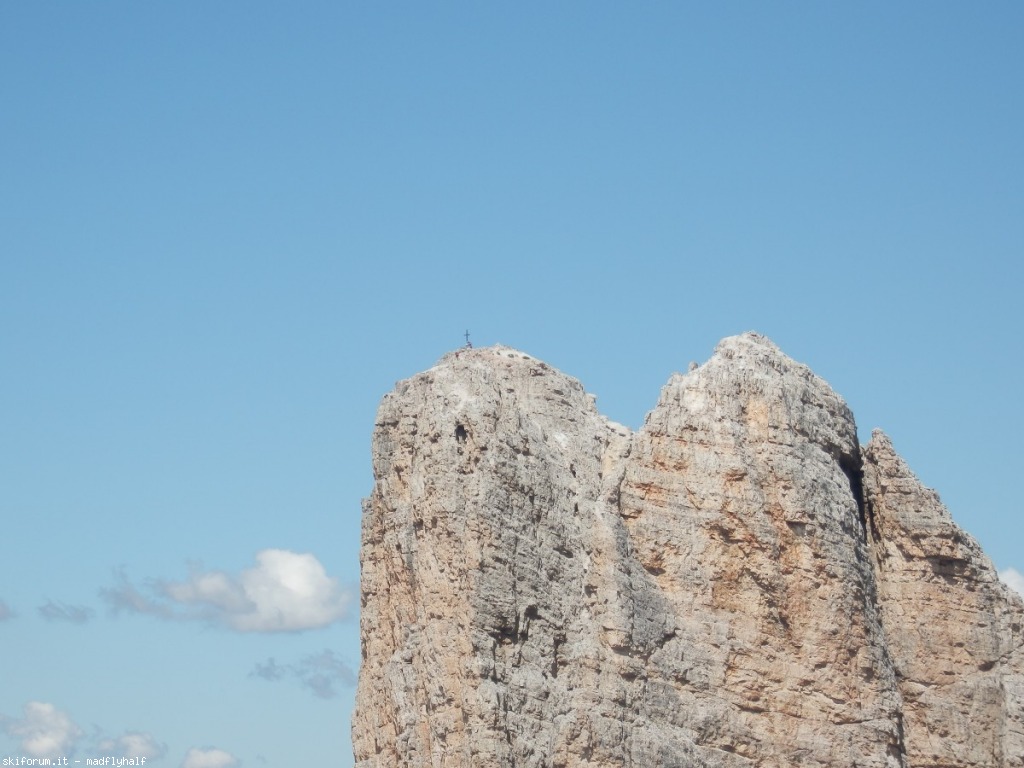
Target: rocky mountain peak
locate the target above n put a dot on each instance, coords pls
(737, 583)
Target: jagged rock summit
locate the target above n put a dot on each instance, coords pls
(737, 583)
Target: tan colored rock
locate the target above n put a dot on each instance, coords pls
(955, 633)
(739, 505)
(542, 587)
(478, 542)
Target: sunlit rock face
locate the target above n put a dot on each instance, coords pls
(954, 632)
(734, 584)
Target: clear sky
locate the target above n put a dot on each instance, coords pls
(226, 230)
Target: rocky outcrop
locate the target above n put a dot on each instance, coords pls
(735, 584)
(954, 632)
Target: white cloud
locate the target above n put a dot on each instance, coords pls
(209, 758)
(44, 731)
(132, 744)
(212, 588)
(284, 592)
(1014, 579)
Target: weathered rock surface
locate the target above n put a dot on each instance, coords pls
(735, 584)
(954, 632)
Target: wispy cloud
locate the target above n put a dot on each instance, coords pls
(1013, 578)
(132, 744)
(5, 611)
(73, 614)
(125, 597)
(43, 730)
(284, 592)
(270, 670)
(322, 673)
(209, 758)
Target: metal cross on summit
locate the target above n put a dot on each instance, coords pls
(469, 344)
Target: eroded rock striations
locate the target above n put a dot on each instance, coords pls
(738, 583)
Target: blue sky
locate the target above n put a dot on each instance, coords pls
(226, 230)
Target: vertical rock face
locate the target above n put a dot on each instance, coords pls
(741, 502)
(732, 585)
(955, 633)
(490, 508)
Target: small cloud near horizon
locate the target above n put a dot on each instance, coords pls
(209, 757)
(132, 744)
(43, 730)
(73, 614)
(284, 592)
(321, 673)
(1014, 579)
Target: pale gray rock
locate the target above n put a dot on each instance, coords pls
(732, 585)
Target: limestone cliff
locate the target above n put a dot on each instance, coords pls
(738, 583)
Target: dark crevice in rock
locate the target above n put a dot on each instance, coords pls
(899, 749)
(528, 616)
(556, 660)
(854, 471)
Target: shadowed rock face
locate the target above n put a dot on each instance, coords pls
(735, 584)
